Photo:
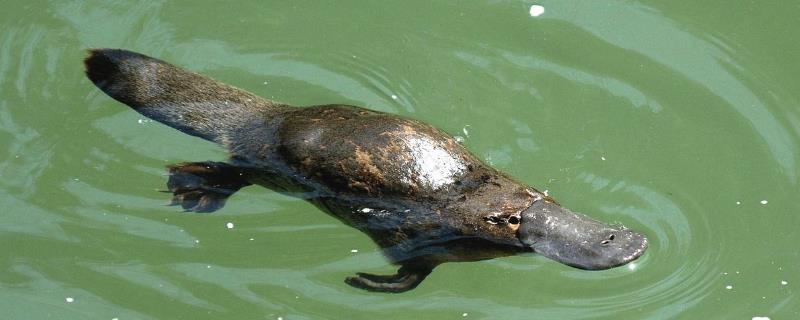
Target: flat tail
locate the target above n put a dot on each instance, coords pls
(189, 102)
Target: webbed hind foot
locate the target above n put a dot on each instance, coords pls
(203, 186)
(407, 278)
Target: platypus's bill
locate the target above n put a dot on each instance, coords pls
(179, 98)
(577, 240)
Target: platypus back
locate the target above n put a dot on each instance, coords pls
(412, 188)
(184, 100)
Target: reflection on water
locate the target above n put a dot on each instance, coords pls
(634, 113)
(700, 59)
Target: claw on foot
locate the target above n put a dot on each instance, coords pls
(403, 281)
(203, 186)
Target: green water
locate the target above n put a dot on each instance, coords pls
(676, 119)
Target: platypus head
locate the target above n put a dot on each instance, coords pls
(577, 240)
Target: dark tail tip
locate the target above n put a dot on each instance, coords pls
(98, 67)
(117, 72)
(103, 65)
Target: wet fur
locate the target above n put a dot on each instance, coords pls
(412, 188)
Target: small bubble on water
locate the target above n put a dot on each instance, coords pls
(764, 201)
(464, 314)
(251, 239)
(459, 139)
(760, 318)
(141, 121)
(354, 250)
(784, 282)
(366, 210)
(394, 97)
(602, 158)
(536, 10)
(69, 299)
(738, 202)
(632, 266)
(229, 225)
(728, 287)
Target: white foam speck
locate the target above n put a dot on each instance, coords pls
(366, 210)
(141, 121)
(114, 318)
(631, 266)
(465, 130)
(229, 225)
(464, 314)
(546, 193)
(280, 318)
(196, 241)
(602, 158)
(394, 97)
(728, 287)
(69, 299)
(354, 250)
(459, 139)
(738, 202)
(536, 10)
(764, 201)
(251, 239)
(784, 282)
(760, 318)
(208, 267)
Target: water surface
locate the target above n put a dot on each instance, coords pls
(678, 120)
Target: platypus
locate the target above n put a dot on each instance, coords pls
(413, 189)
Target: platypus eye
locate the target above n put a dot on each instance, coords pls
(493, 219)
(502, 220)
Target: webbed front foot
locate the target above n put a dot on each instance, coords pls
(203, 186)
(407, 278)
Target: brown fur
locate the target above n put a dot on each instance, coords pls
(411, 187)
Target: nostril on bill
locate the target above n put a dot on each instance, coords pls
(607, 241)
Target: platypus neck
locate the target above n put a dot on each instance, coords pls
(488, 205)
